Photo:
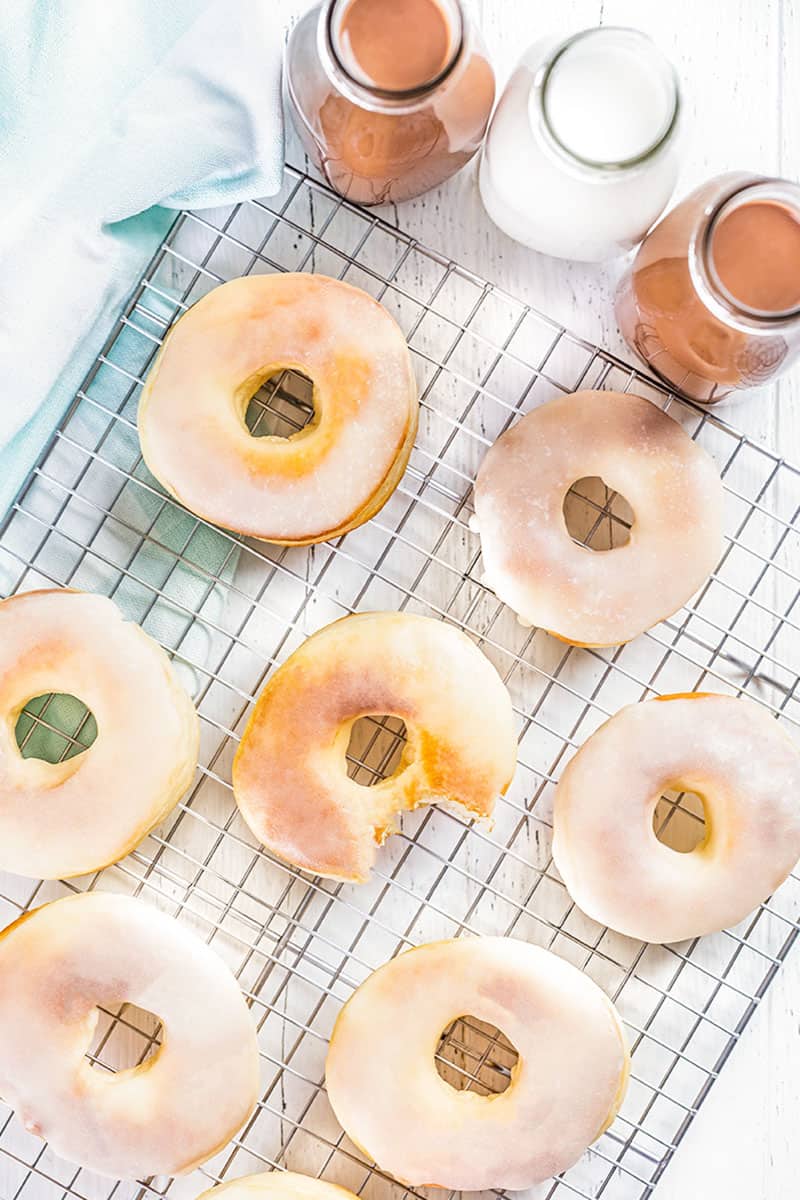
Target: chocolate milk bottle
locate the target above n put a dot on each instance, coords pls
(712, 300)
(389, 97)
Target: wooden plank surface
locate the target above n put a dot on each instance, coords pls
(740, 65)
(740, 60)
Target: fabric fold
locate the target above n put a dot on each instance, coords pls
(110, 116)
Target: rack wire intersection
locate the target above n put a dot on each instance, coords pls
(229, 609)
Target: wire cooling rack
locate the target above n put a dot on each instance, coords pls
(229, 609)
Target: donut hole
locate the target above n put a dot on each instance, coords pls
(55, 728)
(282, 406)
(679, 820)
(596, 516)
(375, 749)
(125, 1036)
(473, 1056)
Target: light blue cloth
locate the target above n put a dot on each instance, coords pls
(108, 109)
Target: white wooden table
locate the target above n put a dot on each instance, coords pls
(736, 58)
(740, 65)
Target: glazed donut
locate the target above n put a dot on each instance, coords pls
(290, 774)
(162, 1117)
(277, 1185)
(579, 595)
(69, 818)
(728, 751)
(330, 476)
(565, 1089)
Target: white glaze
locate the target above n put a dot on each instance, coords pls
(730, 752)
(277, 1185)
(290, 773)
(330, 476)
(163, 1117)
(580, 595)
(59, 820)
(565, 1089)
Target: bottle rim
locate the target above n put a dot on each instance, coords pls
(669, 75)
(773, 190)
(334, 11)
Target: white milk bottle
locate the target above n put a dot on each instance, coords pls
(581, 155)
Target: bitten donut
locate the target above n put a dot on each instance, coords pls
(170, 1113)
(728, 751)
(565, 1089)
(290, 773)
(277, 1185)
(330, 476)
(68, 818)
(580, 595)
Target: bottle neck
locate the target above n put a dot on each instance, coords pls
(606, 100)
(391, 54)
(745, 255)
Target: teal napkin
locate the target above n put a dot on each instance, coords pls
(111, 114)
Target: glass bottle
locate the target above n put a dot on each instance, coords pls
(389, 97)
(582, 152)
(711, 302)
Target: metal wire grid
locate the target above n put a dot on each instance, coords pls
(229, 609)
